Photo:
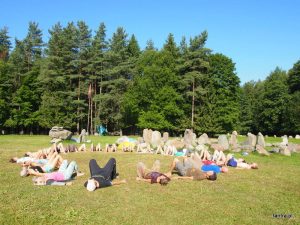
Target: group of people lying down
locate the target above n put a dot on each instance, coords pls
(49, 168)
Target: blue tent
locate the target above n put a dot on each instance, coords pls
(102, 130)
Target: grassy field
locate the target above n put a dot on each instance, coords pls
(239, 197)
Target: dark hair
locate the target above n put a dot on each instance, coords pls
(164, 181)
(254, 166)
(212, 177)
(12, 160)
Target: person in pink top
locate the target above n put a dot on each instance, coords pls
(60, 177)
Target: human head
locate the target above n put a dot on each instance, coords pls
(91, 185)
(224, 169)
(254, 166)
(211, 175)
(13, 160)
(39, 181)
(163, 180)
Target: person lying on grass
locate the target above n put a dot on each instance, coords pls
(186, 170)
(102, 177)
(37, 157)
(153, 175)
(65, 173)
(218, 157)
(54, 161)
(206, 165)
(239, 163)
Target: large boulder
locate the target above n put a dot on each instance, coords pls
(60, 133)
(223, 141)
(261, 140)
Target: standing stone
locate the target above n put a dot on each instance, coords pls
(290, 136)
(261, 140)
(189, 138)
(285, 141)
(156, 139)
(175, 143)
(203, 139)
(147, 135)
(82, 136)
(165, 137)
(223, 141)
(261, 150)
(233, 140)
(251, 139)
(297, 136)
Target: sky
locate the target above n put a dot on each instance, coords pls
(258, 35)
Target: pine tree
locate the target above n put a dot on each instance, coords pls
(5, 44)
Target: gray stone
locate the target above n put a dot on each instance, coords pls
(247, 148)
(261, 140)
(251, 140)
(201, 147)
(293, 148)
(285, 151)
(147, 135)
(60, 133)
(290, 136)
(178, 144)
(285, 141)
(165, 137)
(223, 141)
(189, 138)
(82, 136)
(297, 136)
(261, 150)
(156, 139)
(233, 140)
(204, 139)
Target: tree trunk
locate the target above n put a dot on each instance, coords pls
(193, 104)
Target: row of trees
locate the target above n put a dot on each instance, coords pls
(80, 80)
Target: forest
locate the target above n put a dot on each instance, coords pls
(80, 79)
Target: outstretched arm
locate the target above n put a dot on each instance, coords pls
(142, 179)
(182, 178)
(119, 182)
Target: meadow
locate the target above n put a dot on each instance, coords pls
(238, 197)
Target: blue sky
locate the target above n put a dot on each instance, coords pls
(257, 34)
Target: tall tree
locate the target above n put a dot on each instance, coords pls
(272, 109)
(226, 90)
(5, 44)
(193, 67)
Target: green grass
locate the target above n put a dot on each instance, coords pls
(239, 197)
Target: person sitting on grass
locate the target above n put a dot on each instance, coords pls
(61, 177)
(153, 175)
(102, 177)
(239, 163)
(186, 170)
